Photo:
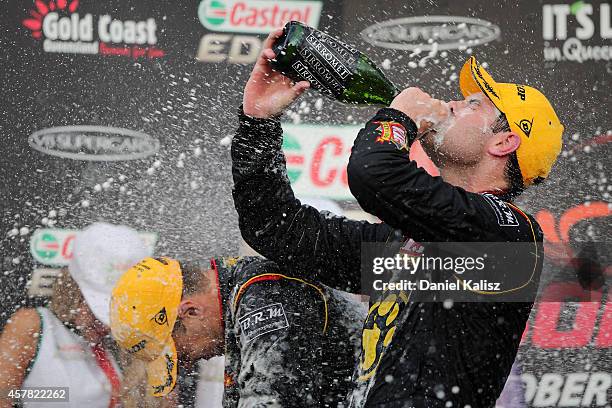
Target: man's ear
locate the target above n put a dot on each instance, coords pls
(503, 144)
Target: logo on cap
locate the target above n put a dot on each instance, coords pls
(138, 346)
(161, 317)
(525, 125)
(488, 87)
(161, 260)
(169, 379)
(520, 91)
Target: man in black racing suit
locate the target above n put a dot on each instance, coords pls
(415, 353)
(287, 342)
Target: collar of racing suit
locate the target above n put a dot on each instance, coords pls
(503, 195)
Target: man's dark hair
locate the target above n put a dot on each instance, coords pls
(194, 276)
(194, 280)
(512, 171)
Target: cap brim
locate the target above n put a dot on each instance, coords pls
(162, 372)
(475, 79)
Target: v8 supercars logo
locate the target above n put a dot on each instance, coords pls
(93, 143)
(420, 32)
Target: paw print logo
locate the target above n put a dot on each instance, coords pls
(378, 331)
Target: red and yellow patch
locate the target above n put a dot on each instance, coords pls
(393, 132)
(228, 380)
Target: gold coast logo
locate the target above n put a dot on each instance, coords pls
(37, 15)
(378, 331)
(63, 30)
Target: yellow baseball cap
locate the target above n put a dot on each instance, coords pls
(529, 114)
(143, 310)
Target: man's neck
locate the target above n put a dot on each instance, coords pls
(478, 178)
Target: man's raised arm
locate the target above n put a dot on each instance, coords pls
(297, 237)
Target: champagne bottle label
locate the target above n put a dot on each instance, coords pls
(303, 73)
(332, 67)
(325, 62)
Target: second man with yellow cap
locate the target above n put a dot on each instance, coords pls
(286, 341)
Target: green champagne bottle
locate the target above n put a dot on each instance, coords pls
(332, 67)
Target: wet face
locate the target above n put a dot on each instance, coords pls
(461, 138)
(200, 330)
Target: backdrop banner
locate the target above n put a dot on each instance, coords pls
(124, 111)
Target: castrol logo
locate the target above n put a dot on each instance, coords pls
(257, 17)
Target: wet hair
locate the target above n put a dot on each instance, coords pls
(512, 171)
(195, 280)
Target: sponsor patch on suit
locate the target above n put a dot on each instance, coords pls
(505, 216)
(263, 321)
